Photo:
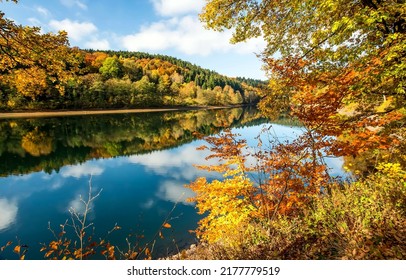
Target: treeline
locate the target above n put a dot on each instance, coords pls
(41, 71)
(119, 79)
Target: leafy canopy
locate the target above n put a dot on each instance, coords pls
(32, 61)
(340, 63)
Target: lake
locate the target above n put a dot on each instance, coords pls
(138, 163)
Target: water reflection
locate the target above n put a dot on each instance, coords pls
(140, 163)
(8, 213)
(32, 145)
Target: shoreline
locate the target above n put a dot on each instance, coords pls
(44, 114)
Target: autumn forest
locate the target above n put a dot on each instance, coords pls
(337, 68)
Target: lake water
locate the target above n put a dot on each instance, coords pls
(138, 162)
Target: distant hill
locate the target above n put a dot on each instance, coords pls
(122, 79)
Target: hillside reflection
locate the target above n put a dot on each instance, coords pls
(48, 144)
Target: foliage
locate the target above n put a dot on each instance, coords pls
(41, 71)
(322, 56)
(34, 64)
(258, 185)
(111, 68)
(227, 203)
(356, 220)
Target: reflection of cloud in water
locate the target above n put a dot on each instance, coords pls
(82, 170)
(8, 213)
(175, 192)
(182, 159)
(148, 204)
(77, 206)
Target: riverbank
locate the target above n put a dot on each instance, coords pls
(43, 114)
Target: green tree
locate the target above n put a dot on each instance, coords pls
(111, 68)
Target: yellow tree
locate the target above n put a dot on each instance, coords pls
(32, 61)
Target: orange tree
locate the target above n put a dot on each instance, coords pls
(340, 67)
(341, 63)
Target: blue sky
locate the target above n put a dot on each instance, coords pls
(168, 27)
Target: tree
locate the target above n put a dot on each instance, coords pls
(26, 52)
(95, 60)
(132, 70)
(111, 68)
(325, 55)
(321, 57)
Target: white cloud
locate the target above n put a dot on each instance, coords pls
(76, 30)
(81, 204)
(187, 35)
(177, 164)
(72, 3)
(78, 207)
(43, 11)
(8, 213)
(175, 192)
(177, 7)
(79, 171)
(148, 204)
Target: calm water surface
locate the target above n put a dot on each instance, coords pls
(139, 162)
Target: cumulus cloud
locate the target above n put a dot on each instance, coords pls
(8, 213)
(79, 171)
(76, 30)
(187, 35)
(177, 7)
(74, 3)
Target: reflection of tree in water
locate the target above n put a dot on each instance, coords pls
(37, 143)
(29, 145)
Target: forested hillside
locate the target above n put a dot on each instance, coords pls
(41, 71)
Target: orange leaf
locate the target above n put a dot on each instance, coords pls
(17, 249)
(48, 253)
(166, 225)
(147, 252)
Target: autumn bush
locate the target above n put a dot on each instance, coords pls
(364, 219)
